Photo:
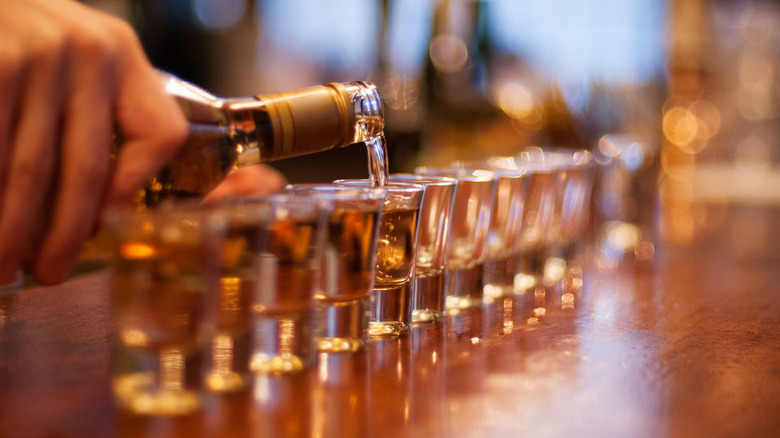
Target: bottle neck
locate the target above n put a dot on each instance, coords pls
(284, 125)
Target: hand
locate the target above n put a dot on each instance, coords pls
(68, 76)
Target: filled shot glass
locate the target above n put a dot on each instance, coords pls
(432, 244)
(272, 252)
(393, 291)
(164, 286)
(468, 235)
(347, 263)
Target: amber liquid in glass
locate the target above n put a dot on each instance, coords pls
(393, 288)
(161, 300)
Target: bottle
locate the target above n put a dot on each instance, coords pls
(227, 133)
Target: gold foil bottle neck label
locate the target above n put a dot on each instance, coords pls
(309, 120)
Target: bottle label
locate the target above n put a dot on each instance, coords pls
(309, 120)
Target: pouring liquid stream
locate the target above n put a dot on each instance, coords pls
(377, 160)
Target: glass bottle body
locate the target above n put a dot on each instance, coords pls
(226, 134)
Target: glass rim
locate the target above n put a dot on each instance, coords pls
(174, 208)
(555, 157)
(459, 174)
(337, 191)
(390, 187)
(487, 165)
(426, 180)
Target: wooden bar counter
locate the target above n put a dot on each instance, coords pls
(688, 346)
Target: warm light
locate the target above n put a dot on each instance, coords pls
(515, 99)
(137, 251)
(230, 294)
(322, 371)
(134, 337)
(554, 268)
(448, 53)
(680, 126)
(567, 301)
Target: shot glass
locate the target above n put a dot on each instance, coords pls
(468, 236)
(273, 251)
(576, 171)
(506, 220)
(347, 264)
(563, 180)
(429, 301)
(164, 286)
(393, 291)
(537, 219)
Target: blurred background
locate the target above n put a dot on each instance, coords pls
(677, 99)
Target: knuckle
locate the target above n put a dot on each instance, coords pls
(170, 133)
(93, 47)
(121, 33)
(48, 46)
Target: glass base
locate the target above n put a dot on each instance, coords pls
(464, 287)
(263, 363)
(462, 303)
(282, 343)
(138, 394)
(336, 345)
(426, 315)
(227, 381)
(386, 328)
(341, 325)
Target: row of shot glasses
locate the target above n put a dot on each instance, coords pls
(207, 296)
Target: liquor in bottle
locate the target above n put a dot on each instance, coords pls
(228, 133)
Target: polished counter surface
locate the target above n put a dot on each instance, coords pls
(686, 347)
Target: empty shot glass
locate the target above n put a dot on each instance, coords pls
(506, 220)
(347, 264)
(576, 172)
(432, 244)
(393, 291)
(164, 286)
(561, 182)
(537, 220)
(273, 250)
(468, 236)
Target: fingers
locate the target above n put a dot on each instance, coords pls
(252, 180)
(84, 163)
(67, 75)
(9, 96)
(31, 161)
(153, 127)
